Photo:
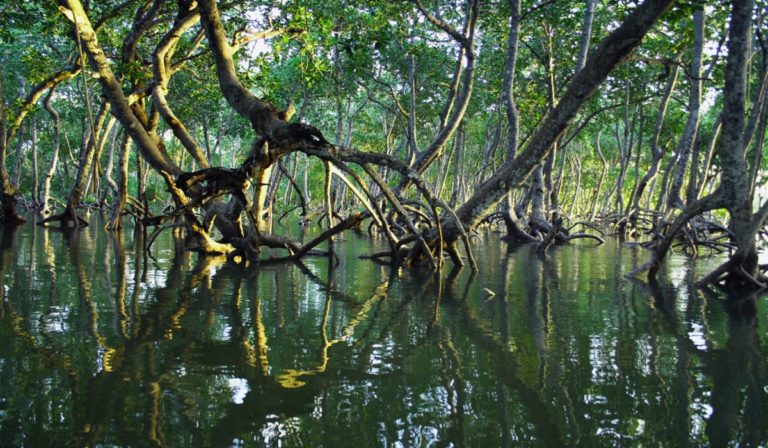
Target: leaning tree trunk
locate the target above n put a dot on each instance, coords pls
(121, 197)
(687, 141)
(604, 168)
(515, 230)
(35, 173)
(69, 217)
(611, 51)
(44, 210)
(657, 151)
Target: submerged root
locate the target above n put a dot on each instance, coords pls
(68, 219)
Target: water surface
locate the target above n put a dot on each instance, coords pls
(101, 344)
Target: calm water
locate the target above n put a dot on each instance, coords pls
(100, 345)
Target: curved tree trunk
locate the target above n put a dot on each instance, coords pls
(688, 139)
(514, 227)
(457, 103)
(121, 197)
(612, 50)
(8, 213)
(596, 197)
(35, 173)
(162, 71)
(657, 151)
(45, 211)
(69, 218)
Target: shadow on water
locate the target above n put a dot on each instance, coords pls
(101, 344)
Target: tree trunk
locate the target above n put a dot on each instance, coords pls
(458, 99)
(735, 177)
(657, 151)
(121, 193)
(612, 50)
(694, 105)
(596, 197)
(44, 210)
(35, 174)
(69, 218)
(108, 170)
(586, 35)
(8, 214)
(148, 143)
(550, 204)
(512, 222)
(162, 54)
(20, 156)
(741, 269)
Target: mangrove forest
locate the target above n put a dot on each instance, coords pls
(383, 223)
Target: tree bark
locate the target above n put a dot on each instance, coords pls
(162, 70)
(694, 105)
(84, 168)
(586, 35)
(515, 230)
(148, 143)
(44, 210)
(35, 173)
(735, 177)
(458, 102)
(121, 196)
(604, 165)
(733, 192)
(657, 151)
(8, 213)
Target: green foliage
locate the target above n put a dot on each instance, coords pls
(346, 65)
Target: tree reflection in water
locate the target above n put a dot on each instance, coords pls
(101, 343)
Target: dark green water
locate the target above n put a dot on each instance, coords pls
(100, 345)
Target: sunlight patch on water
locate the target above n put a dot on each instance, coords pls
(594, 400)
(677, 271)
(317, 409)
(699, 416)
(697, 336)
(285, 432)
(645, 352)
(379, 361)
(239, 388)
(56, 320)
(602, 357)
(156, 278)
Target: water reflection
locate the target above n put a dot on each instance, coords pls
(104, 344)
